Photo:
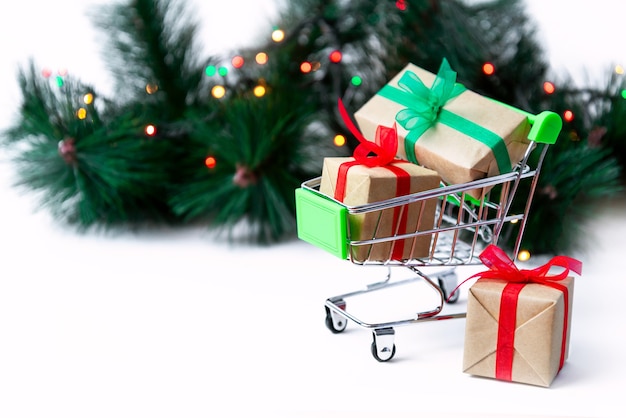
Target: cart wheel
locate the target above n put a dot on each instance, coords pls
(335, 322)
(383, 347)
(387, 353)
(447, 283)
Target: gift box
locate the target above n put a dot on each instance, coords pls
(362, 185)
(445, 127)
(518, 326)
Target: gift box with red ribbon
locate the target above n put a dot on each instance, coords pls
(363, 179)
(518, 321)
(443, 126)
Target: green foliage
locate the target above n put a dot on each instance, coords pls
(92, 170)
(104, 170)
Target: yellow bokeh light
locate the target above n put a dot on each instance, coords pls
(523, 255)
(619, 69)
(261, 58)
(88, 98)
(81, 113)
(151, 88)
(259, 91)
(278, 35)
(218, 91)
(339, 140)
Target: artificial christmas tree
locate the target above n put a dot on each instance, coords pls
(225, 140)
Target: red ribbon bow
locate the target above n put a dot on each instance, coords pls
(503, 268)
(384, 146)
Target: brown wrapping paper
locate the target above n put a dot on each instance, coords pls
(456, 157)
(538, 332)
(367, 185)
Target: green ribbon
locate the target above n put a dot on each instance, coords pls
(424, 108)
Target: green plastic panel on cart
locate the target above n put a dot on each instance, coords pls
(322, 222)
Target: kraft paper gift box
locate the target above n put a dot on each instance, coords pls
(445, 127)
(372, 184)
(519, 331)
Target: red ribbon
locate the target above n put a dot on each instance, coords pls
(384, 149)
(503, 268)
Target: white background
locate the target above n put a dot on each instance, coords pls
(178, 324)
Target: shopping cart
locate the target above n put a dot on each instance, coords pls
(463, 226)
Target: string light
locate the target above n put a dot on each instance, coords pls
(549, 87)
(489, 68)
(210, 70)
(81, 113)
(88, 98)
(222, 71)
(218, 91)
(59, 81)
(356, 80)
(306, 67)
(401, 5)
(46, 72)
(150, 130)
(151, 88)
(261, 58)
(62, 72)
(568, 115)
(624, 94)
(210, 162)
(523, 255)
(619, 69)
(339, 140)
(237, 61)
(335, 57)
(278, 35)
(259, 91)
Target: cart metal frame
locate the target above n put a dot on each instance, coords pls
(463, 226)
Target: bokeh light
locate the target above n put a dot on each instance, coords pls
(619, 69)
(306, 67)
(150, 130)
(151, 88)
(261, 58)
(339, 140)
(356, 80)
(489, 68)
(81, 113)
(237, 61)
(210, 70)
(549, 87)
(335, 57)
(210, 162)
(218, 91)
(568, 115)
(88, 98)
(222, 71)
(523, 255)
(259, 91)
(278, 35)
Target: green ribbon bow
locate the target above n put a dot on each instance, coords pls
(424, 108)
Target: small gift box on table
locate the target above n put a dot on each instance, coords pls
(445, 127)
(364, 179)
(518, 321)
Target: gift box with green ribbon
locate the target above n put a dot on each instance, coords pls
(462, 135)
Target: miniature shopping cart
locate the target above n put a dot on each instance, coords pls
(463, 226)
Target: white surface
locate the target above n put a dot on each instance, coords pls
(175, 324)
